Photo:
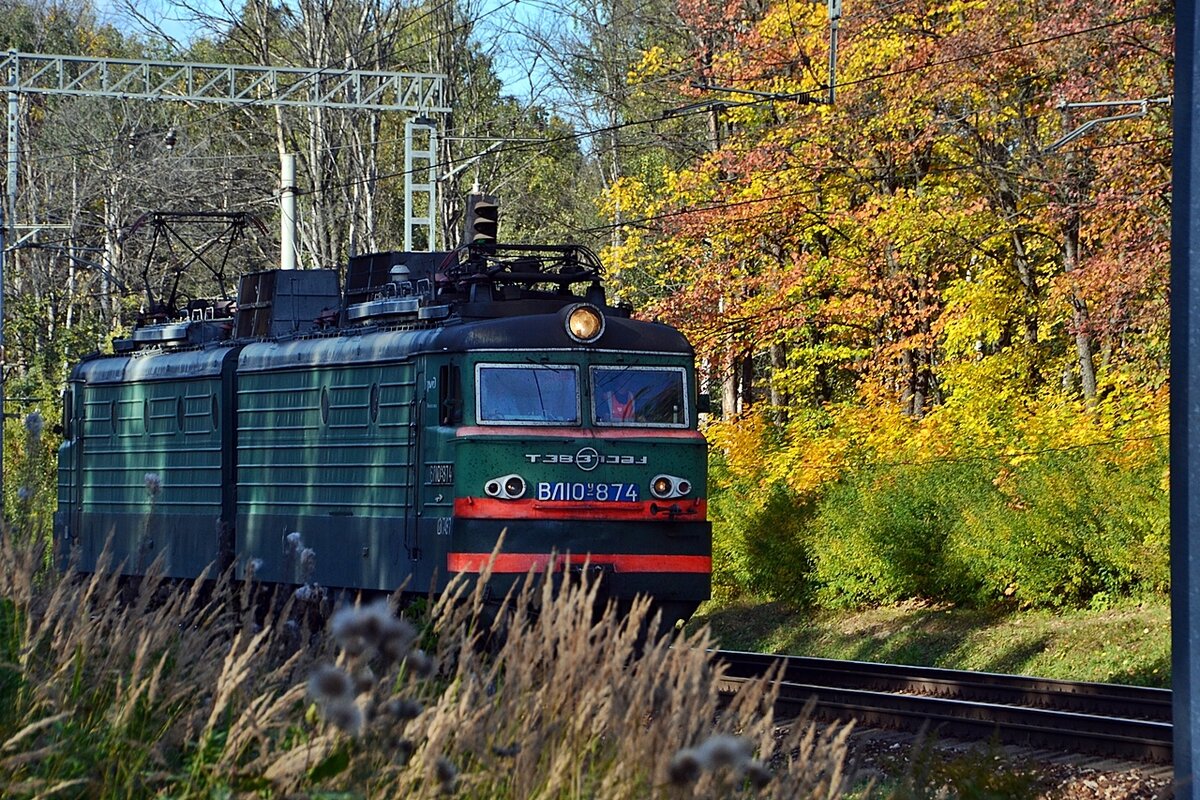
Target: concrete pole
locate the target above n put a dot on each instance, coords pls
(8, 222)
(287, 216)
(835, 17)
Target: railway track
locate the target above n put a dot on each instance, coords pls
(1130, 722)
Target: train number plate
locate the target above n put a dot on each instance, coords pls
(580, 492)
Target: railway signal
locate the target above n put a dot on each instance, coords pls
(483, 219)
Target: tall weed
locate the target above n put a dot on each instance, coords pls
(177, 691)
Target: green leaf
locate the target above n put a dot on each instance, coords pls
(334, 764)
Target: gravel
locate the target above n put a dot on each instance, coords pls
(888, 759)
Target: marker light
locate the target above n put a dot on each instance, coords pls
(585, 323)
(508, 487)
(668, 486)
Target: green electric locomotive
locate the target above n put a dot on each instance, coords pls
(388, 434)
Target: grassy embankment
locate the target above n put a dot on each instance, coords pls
(1130, 643)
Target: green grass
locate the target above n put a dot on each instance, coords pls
(1129, 643)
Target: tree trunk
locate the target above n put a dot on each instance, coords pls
(747, 382)
(1079, 314)
(729, 388)
(779, 395)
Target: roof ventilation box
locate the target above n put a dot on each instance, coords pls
(282, 302)
(392, 285)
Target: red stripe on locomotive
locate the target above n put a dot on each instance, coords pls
(524, 562)
(489, 508)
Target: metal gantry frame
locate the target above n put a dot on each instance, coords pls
(198, 82)
(420, 182)
(420, 93)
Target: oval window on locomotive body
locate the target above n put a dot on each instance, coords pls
(527, 394)
(181, 413)
(325, 405)
(373, 403)
(215, 408)
(637, 396)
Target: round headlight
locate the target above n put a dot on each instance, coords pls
(661, 487)
(514, 487)
(585, 323)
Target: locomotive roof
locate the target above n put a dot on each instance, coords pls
(156, 365)
(535, 332)
(394, 305)
(366, 345)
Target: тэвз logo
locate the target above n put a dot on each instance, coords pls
(587, 459)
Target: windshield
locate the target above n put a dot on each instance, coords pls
(527, 394)
(639, 396)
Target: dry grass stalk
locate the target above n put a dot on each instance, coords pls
(178, 692)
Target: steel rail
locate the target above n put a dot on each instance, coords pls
(1108, 719)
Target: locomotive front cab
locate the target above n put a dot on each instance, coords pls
(587, 457)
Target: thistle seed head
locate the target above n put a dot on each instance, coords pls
(723, 750)
(401, 708)
(685, 768)
(294, 540)
(397, 637)
(364, 680)
(346, 716)
(758, 775)
(310, 593)
(447, 774)
(153, 482)
(360, 628)
(329, 685)
(308, 562)
(420, 663)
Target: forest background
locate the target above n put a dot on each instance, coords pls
(937, 344)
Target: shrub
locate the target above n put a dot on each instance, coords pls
(888, 535)
(1071, 528)
(761, 541)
